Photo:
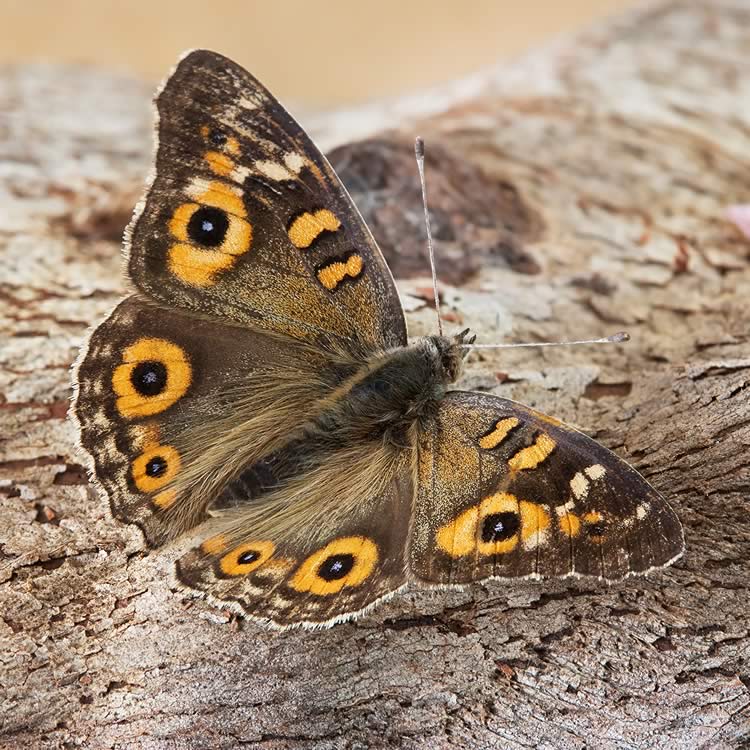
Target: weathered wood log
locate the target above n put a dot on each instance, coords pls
(578, 192)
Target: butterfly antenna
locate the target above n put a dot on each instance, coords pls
(615, 338)
(419, 153)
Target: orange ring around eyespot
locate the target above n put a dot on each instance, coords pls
(231, 567)
(236, 241)
(591, 518)
(461, 536)
(146, 483)
(365, 554)
(222, 195)
(502, 502)
(198, 265)
(132, 404)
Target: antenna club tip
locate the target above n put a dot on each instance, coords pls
(620, 337)
(419, 147)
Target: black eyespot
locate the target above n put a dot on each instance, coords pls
(596, 529)
(208, 226)
(156, 467)
(149, 378)
(499, 526)
(248, 557)
(336, 566)
(217, 138)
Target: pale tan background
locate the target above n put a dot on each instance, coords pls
(317, 52)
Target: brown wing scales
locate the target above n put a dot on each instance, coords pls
(168, 403)
(507, 492)
(314, 576)
(246, 220)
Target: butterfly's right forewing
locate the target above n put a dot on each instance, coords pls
(504, 491)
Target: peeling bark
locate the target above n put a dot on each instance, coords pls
(605, 164)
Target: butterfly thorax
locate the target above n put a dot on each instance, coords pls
(395, 391)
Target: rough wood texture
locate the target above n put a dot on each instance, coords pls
(592, 181)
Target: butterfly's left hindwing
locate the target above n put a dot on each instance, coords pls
(161, 397)
(506, 492)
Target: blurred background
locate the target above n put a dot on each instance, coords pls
(322, 53)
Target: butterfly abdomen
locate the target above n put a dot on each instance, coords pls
(374, 407)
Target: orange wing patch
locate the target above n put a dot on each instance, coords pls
(570, 524)
(214, 545)
(219, 163)
(531, 457)
(333, 273)
(494, 527)
(499, 433)
(165, 498)
(348, 561)
(246, 558)
(307, 227)
(211, 232)
(535, 520)
(155, 468)
(458, 538)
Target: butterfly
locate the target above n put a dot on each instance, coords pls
(256, 392)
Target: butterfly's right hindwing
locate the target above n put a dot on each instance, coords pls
(341, 555)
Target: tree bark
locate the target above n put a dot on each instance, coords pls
(581, 191)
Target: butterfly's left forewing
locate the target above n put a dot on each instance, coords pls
(260, 291)
(507, 492)
(246, 221)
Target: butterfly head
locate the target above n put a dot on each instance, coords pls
(451, 353)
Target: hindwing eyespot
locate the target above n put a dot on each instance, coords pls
(347, 561)
(154, 374)
(246, 558)
(155, 468)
